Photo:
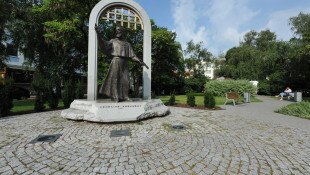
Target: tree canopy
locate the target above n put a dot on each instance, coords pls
(53, 35)
(275, 64)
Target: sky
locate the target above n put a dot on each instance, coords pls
(221, 24)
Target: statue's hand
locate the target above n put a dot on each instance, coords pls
(143, 64)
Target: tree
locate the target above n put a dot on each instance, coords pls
(53, 35)
(264, 39)
(258, 57)
(301, 26)
(6, 7)
(250, 38)
(197, 56)
(167, 67)
(299, 54)
(259, 40)
(241, 63)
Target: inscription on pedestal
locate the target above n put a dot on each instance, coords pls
(122, 106)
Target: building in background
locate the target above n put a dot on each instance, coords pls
(17, 70)
(209, 69)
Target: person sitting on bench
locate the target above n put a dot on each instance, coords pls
(286, 92)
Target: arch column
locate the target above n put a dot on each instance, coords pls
(93, 45)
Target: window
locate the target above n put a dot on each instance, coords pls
(123, 16)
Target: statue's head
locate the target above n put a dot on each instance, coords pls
(119, 32)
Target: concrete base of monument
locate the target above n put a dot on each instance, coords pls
(109, 111)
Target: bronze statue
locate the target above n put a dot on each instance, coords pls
(116, 84)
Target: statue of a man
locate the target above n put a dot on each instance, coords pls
(116, 84)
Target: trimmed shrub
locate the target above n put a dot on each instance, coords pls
(39, 102)
(52, 96)
(171, 101)
(40, 87)
(209, 100)
(190, 99)
(220, 87)
(68, 94)
(6, 97)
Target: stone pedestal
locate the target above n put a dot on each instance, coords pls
(108, 111)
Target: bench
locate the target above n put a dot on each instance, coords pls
(296, 96)
(289, 96)
(232, 96)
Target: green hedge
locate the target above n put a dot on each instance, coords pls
(220, 87)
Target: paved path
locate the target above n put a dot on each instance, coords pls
(233, 141)
(265, 112)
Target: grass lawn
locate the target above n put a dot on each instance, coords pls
(25, 106)
(28, 105)
(181, 99)
(301, 109)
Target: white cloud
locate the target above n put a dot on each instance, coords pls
(215, 22)
(185, 17)
(226, 18)
(279, 22)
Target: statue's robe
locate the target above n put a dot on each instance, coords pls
(116, 84)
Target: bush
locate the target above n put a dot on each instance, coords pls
(190, 99)
(301, 109)
(39, 102)
(171, 101)
(220, 87)
(52, 96)
(40, 87)
(6, 97)
(264, 88)
(195, 84)
(209, 100)
(68, 94)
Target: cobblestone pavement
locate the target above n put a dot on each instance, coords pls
(213, 143)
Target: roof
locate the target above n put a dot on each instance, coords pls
(15, 62)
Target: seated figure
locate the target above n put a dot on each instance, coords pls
(286, 92)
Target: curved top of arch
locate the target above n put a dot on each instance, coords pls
(105, 4)
(122, 16)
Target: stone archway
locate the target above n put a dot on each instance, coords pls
(93, 45)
